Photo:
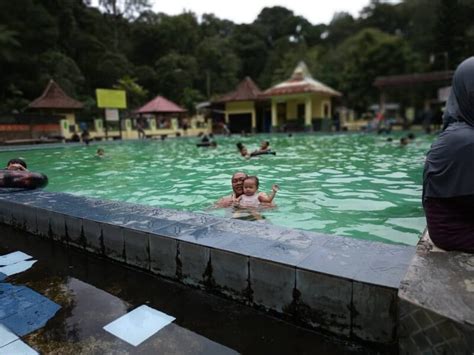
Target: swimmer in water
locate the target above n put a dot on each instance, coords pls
(252, 197)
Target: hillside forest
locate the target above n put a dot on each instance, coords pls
(124, 44)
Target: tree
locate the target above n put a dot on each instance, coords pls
(136, 94)
(364, 56)
(147, 78)
(179, 33)
(249, 45)
(130, 9)
(212, 26)
(341, 26)
(8, 43)
(110, 69)
(190, 98)
(148, 42)
(276, 22)
(218, 66)
(383, 16)
(176, 72)
(55, 65)
(119, 9)
(449, 35)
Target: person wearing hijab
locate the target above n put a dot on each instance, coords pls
(448, 176)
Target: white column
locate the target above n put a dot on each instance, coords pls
(308, 112)
(274, 114)
(254, 120)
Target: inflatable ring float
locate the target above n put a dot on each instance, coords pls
(206, 144)
(268, 152)
(22, 179)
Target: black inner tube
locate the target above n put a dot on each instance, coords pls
(22, 179)
(268, 152)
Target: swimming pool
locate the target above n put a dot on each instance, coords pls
(350, 185)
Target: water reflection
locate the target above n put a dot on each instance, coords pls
(93, 292)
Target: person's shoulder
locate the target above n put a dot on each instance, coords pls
(458, 132)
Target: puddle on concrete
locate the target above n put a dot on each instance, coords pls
(94, 292)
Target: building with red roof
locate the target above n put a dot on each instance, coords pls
(54, 98)
(56, 107)
(240, 106)
(300, 100)
(161, 113)
(160, 106)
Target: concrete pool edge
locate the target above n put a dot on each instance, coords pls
(436, 302)
(341, 285)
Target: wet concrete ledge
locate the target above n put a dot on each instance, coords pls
(341, 285)
(437, 302)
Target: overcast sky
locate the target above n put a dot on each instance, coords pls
(245, 11)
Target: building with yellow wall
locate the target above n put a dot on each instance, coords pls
(241, 106)
(300, 101)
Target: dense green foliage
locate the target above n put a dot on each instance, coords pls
(125, 44)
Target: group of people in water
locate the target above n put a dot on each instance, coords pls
(448, 176)
(207, 141)
(264, 149)
(405, 140)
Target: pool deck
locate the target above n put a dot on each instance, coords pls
(437, 302)
(93, 292)
(340, 285)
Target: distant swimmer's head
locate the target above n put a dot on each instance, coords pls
(16, 164)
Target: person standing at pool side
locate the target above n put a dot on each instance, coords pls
(237, 183)
(448, 177)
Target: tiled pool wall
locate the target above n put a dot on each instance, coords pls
(340, 285)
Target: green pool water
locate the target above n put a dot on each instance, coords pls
(350, 185)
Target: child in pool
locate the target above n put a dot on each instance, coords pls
(251, 197)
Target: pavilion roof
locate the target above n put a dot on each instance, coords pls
(413, 79)
(160, 105)
(246, 90)
(55, 97)
(300, 82)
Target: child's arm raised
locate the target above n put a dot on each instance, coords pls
(262, 197)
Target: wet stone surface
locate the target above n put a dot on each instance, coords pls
(437, 302)
(92, 292)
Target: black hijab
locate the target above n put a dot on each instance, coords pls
(460, 105)
(449, 166)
